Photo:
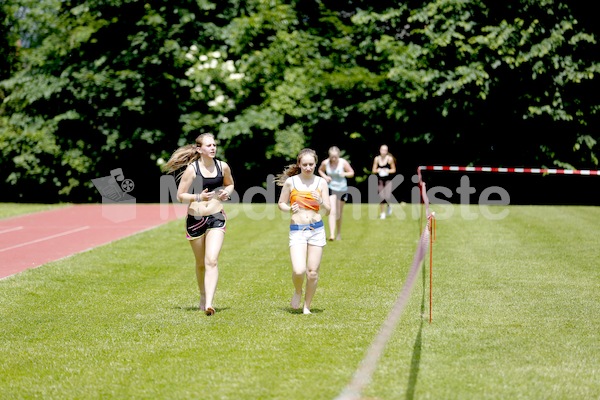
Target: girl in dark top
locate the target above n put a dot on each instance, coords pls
(212, 183)
(384, 165)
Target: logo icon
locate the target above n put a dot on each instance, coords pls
(115, 188)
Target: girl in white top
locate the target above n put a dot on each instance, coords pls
(305, 196)
(335, 170)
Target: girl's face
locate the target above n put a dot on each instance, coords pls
(208, 147)
(383, 150)
(334, 157)
(307, 164)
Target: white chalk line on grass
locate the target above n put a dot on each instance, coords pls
(42, 239)
(16, 228)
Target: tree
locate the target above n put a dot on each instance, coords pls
(506, 81)
(101, 90)
(106, 84)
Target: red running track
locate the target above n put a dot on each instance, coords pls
(35, 239)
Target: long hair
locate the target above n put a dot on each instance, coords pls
(185, 155)
(294, 169)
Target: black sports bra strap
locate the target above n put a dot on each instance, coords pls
(197, 168)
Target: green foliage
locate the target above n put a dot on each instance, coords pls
(465, 57)
(109, 80)
(7, 51)
(114, 68)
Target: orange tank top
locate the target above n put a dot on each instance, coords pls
(304, 198)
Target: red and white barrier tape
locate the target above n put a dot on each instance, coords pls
(510, 170)
(363, 374)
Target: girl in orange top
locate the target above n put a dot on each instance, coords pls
(304, 195)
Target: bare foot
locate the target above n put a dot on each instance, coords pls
(331, 238)
(306, 311)
(209, 311)
(295, 303)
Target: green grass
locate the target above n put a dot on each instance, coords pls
(516, 313)
(12, 209)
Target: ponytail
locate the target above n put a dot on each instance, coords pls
(185, 155)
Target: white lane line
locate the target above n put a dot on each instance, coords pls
(16, 228)
(45, 238)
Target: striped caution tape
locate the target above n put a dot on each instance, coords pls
(543, 171)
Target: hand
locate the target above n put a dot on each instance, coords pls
(224, 195)
(206, 195)
(294, 207)
(317, 196)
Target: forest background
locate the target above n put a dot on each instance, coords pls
(88, 86)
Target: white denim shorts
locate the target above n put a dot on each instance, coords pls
(312, 234)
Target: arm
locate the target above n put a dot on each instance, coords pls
(375, 168)
(348, 170)
(325, 203)
(323, 171)
(284, 197)
(185, 184)
(392, 163)
(228, 183)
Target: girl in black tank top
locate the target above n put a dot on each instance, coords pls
(210, 183)
(384, 176)
(206, 221)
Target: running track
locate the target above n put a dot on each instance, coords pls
(35, 239)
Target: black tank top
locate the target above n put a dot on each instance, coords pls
(210, 183)
(387, 177)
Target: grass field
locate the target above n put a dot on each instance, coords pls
(516, 313)
(8, 210)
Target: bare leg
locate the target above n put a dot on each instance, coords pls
(333, 216)
(298, 256)
(338, 222)
(312, 275)
(382, 197)
(213, 245)
(198, 249)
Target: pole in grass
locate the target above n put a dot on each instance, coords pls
(430, 227)
(362, 376)
(425, 200)
(431, 241)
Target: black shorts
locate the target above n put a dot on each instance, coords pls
(343, 196)
(196, 227)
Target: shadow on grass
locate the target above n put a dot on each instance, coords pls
(196, 309)
(291, 310)
(415, 363)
